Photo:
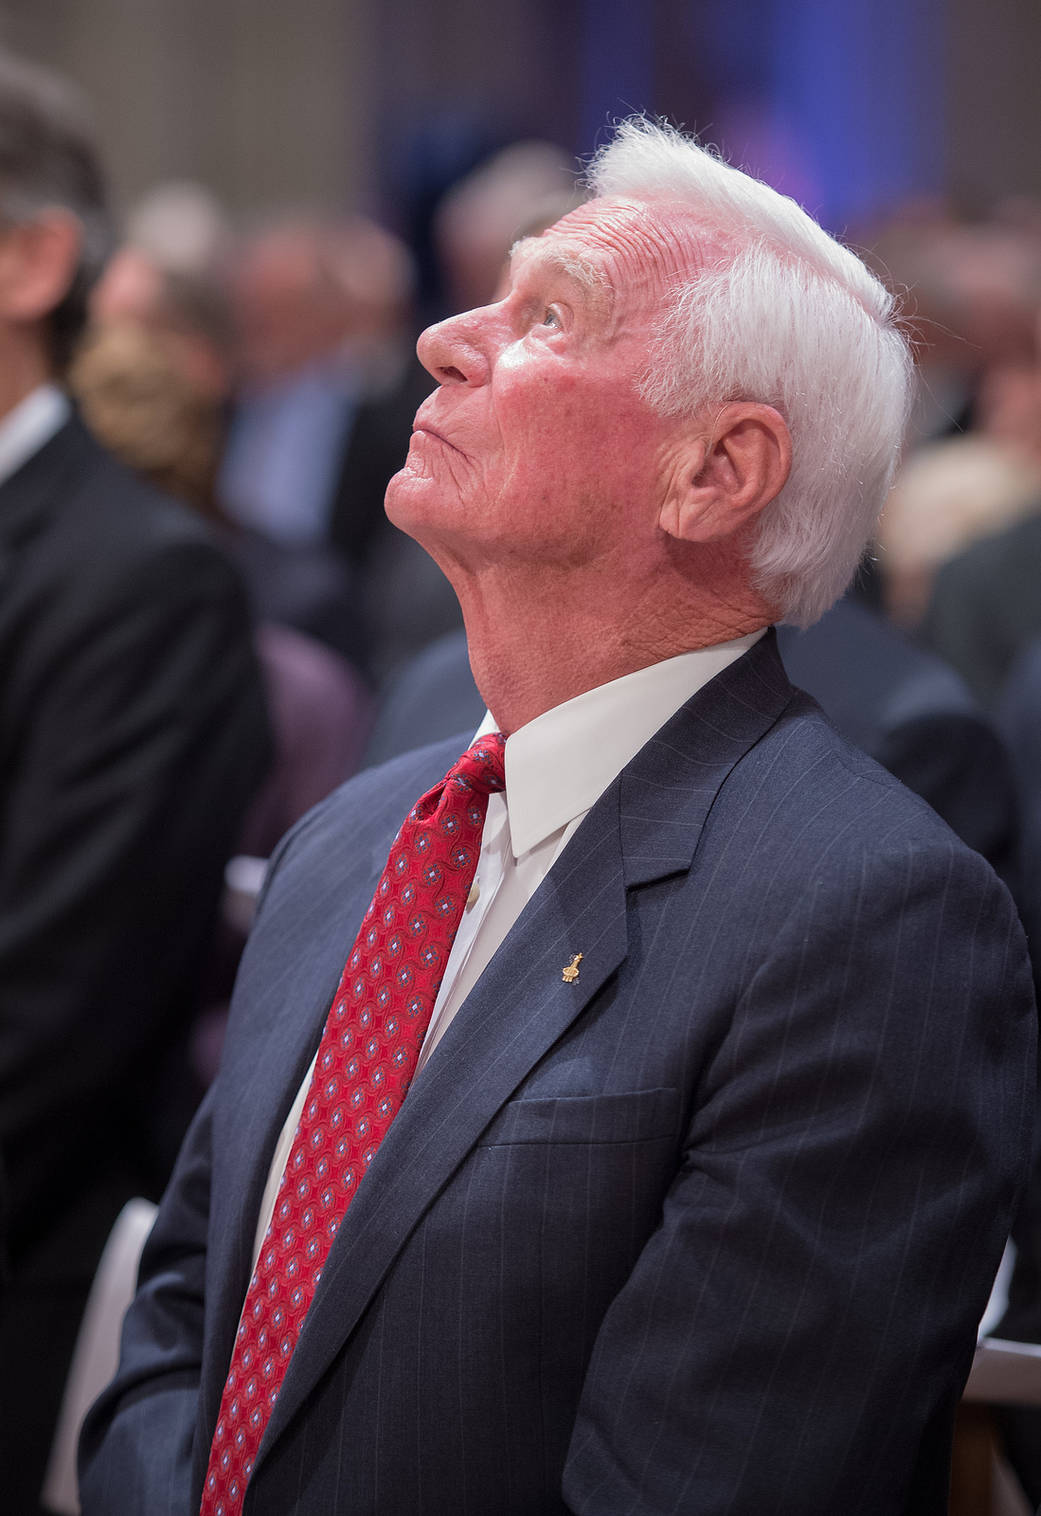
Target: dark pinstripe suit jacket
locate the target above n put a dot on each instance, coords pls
(708, 1231)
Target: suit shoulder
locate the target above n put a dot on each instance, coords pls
(73, 510)
(132, 518)
(108, 544)
(811, 847)
(102, 569)
(363, 811)
(399, 781)
(806, 787)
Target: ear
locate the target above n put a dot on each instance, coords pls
(722, 474)
(37, 264)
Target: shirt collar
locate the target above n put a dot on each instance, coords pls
(32, 423)
(558, 765)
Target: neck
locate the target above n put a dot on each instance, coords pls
(537, 640)
(24, 366)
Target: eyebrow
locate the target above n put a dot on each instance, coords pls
(541, 253)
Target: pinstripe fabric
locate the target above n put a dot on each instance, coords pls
(708, 1231)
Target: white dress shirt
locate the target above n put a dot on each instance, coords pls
(557, 767)
(32, 423)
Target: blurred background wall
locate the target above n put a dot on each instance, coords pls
(851, 106)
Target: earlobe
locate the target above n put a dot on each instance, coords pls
(725, 472)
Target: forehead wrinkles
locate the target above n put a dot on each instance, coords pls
(643, 251)
(551, 255)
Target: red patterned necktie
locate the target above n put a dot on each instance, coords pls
(365, 1062)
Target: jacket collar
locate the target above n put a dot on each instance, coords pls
(44, 483)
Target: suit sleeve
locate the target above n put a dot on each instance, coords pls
(141, 736)
(137, 1448)
(796, 1332)
(137, 1442)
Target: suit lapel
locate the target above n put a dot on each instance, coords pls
(645, 826)
(42, 486)
(671, 784)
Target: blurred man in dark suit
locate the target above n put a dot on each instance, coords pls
(132, 734)
(985, 606)
(653, 1147)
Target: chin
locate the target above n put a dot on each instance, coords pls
(407, 495)
(416, 504)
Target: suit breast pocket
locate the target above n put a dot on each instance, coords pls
(629, 1117)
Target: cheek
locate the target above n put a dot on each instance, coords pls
(588, 440)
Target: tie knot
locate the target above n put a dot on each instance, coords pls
(482, 768)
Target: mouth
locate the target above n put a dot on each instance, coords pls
(424, 429)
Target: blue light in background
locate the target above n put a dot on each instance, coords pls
(857, 85)
(838, 102)
(617, 66)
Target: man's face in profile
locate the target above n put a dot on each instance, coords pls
(536, 443)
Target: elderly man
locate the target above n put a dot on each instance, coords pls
(717, 1044)
(132, 732)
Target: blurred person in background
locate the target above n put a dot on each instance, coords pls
(973, 451)
(168, 274)
(148, 410)
(298, 382)
(324, 388)
(480, 217)
(164, 399)
(146, 405)
(984, 608)
(972, 289)
(947, 496)
(961, 559)
(321, 310)
(132, 735)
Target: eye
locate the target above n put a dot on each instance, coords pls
(550, 317)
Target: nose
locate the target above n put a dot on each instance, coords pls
(453, 350)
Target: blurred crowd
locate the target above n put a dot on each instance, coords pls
(263, 375)
(266, 376)
(958, 560)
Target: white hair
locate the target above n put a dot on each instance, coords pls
(785, 315)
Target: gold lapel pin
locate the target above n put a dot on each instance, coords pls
(570, 974)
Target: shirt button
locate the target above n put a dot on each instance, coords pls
(474, 895)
